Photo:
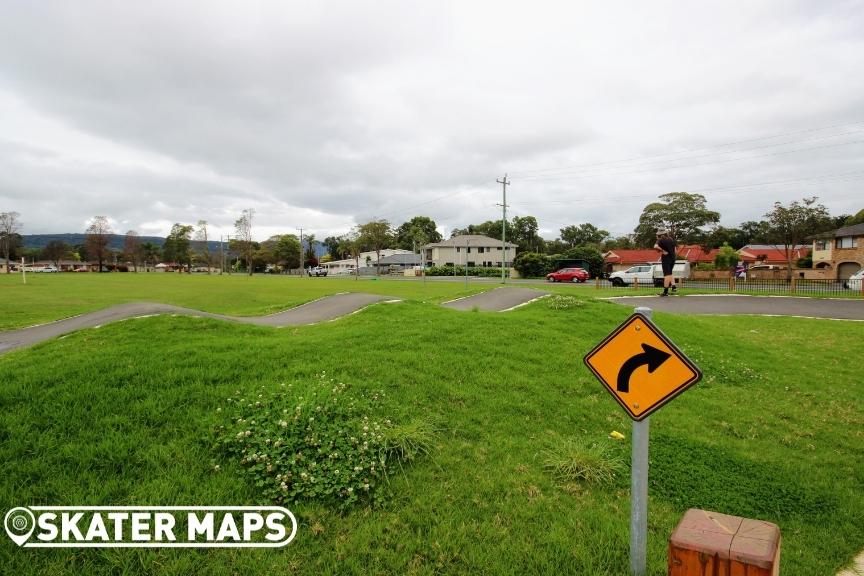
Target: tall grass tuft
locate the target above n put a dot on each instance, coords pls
(405, 442)
(575, 459)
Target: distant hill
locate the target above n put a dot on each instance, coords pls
(115, 241)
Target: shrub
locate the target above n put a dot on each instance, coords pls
(317, 441)
(485, 272)
(592, 256)
(532, 264)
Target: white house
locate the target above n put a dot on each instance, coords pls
(470, 249)
(366, 259)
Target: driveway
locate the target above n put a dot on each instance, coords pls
(840, 309)
(321, 310)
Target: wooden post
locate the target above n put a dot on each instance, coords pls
(635, 283)
(597, 282)
(793, 285)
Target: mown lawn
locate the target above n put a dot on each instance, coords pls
(124, 415)
(48, 297)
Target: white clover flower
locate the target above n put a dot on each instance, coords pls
(366, 487)
(269, 468)
(350, 489)
(216, 468)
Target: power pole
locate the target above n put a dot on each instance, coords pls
(301, 252)
(504, 183)
(221, 256)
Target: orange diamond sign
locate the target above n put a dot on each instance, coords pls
(641, 368)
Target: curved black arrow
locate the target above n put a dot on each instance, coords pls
(652, 357)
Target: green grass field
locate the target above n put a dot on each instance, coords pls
(124, 415)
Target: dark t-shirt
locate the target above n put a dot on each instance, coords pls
(667, 244)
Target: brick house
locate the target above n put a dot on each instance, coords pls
(840, 252)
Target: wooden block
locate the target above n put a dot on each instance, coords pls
(710, 543)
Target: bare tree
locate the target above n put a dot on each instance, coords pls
(132, 248)
(96, 240)
(243, 228)
(9, 226)
(202, 245)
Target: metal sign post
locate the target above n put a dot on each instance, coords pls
(639, 490)
(643, 370)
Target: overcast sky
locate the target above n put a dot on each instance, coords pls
(324, 114)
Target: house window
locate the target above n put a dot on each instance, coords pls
(468, 249)
(448, 263)
(847, 242)
(499, 248)
(480, 250)
(823, 244)
(458, 249)
(470, 264)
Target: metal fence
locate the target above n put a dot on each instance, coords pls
(755, 286)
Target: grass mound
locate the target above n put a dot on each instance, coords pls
(317, 440)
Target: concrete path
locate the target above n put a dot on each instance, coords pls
(856, 569)
(840, 309)
(497, 300)
(320, 310)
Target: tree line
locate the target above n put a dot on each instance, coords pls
(685, 215)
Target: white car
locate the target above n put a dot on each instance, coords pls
(649, 274)
(854, 282)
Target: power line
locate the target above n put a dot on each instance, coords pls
(688, 151)
(580, 176)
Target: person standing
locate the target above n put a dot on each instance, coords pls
(666, 244)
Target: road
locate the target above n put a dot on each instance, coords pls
(839, 309)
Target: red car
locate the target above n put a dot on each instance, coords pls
(568, 275)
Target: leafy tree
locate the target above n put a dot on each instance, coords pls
(332, 244)
(9, 227)
(532, 264)
(726, 257)
(97, 238)
(583, 234)
(288, 251)
(682, 213)
(619, 243)
(591, 255)
(55, 251)
(858, 218)
(309, 256)
(418, 227)
(177, 247)
(376, 234)
(243, 241)
(132, 248)
(150, 253)
(790, 225)
(556, 246)
(755, 232)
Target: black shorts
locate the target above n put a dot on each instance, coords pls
(668, 265)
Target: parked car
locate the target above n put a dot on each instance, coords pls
(854, 282)
(642, 273)
(317, 271)
(568, 275)
(649, 273)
